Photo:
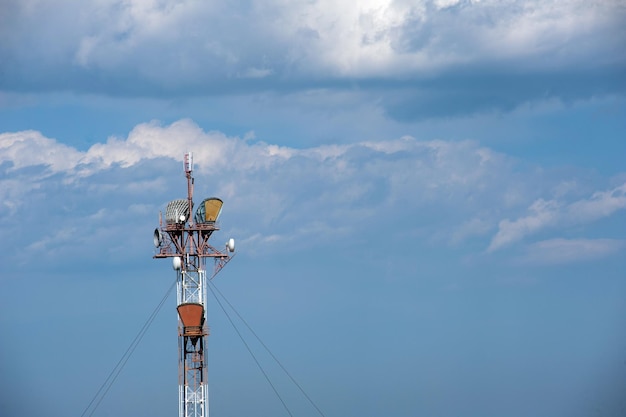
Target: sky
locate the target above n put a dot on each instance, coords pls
(428, 199)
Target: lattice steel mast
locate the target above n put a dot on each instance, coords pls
(186, 241)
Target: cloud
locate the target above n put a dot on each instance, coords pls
(145, 141)
(293, 195)
(31, 148)
(424, 51)
(545, 214)
(428, 190)
(542, 213)
(561, 251)
(600, 204)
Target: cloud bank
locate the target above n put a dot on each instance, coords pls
(426, 51)
(444, 192)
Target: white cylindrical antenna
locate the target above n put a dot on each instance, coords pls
(188, 162)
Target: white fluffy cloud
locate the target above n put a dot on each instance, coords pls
(441, 191)
(545, 214)
(31, 148)
(542, 213)
(600, 204)
(145, 141)
(276, 191)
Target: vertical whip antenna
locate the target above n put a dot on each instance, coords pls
(188, 162)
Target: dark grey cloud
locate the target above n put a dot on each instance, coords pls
(475, 91)
(432, 58)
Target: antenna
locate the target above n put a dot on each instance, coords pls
(188, 162)
(185, 239)
(188, 165)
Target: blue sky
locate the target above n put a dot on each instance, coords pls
(428, 199)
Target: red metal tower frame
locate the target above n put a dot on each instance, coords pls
(185, 239)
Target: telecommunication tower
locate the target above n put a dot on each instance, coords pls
(185, 239)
